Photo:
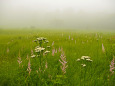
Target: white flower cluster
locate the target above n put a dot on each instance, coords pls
(86, 58)
(40, 39)
(46, 52)
(40, 49)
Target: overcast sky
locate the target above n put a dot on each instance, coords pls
(25, 13)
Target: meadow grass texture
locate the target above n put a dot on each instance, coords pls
(62, 66)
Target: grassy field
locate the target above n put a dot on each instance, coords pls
(17, 46)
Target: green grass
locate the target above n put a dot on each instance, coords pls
(87, 44)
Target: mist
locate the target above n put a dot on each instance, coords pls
(64, 14)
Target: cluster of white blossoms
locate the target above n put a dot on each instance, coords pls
(41, 39)
(39, 49)
(46, 52)
(85, 58)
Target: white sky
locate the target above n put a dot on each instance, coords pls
(52, 5)
(31, 12)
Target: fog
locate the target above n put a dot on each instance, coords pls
(70, 14)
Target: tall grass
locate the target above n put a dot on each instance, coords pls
(99, 46)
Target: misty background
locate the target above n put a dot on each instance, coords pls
(70, 14)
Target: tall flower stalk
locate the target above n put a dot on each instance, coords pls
(41, 50)
(19, 59)
(29, 67)
(53, 52)
(64, 63)
(112, 65)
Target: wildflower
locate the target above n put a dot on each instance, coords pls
(56, 51)
(33, 56)
(72, 39)
(19, 60)
(52, 43)
(53, 51)
(48, 46)
(90, 60)
(47, 52)
(29, 67)
(83, 65)
(112, 67)
(103, 49)
(39, 49)
(39, 39)
(78, 59)
(63, 62)
(59, 49)
(46, 41)
(83, 57)
(87, 57)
